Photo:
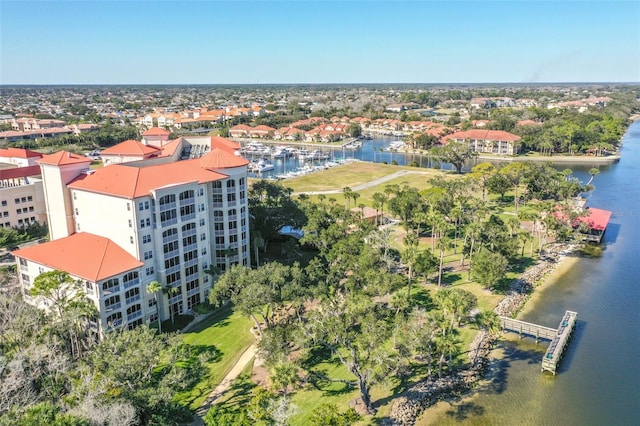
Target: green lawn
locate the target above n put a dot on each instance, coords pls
(226, 333)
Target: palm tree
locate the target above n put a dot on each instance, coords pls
(346, 191)
(409, 257)
(444, 243)
(154, 287)
(593, 172)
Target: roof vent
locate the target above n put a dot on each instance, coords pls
(87, 172)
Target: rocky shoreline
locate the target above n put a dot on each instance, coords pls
(411, 403)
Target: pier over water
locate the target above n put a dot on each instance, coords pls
(559, 337)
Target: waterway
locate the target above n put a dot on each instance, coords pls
(599, 378)
(374, 150)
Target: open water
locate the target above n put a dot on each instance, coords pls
(599, 378)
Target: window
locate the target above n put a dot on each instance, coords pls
(203, 236)
(167, 200)
(203, 251)
(131, 240)
(233, 225)
(74, 195)
(171, 262)
(29, 198)
(193, 284)
(231, 184)
(186, 195)
(152, 302)
(112, 302)
(168, 215)
(201, 192)
(128, 207)
(219, 240)
(191, 270)
(89, 286)
(173, 278)
(173, 232)
(114, 319)
(242, 195)
(77, 212)
(148, 255)
(190, 255)
(187, 210)
(189, 227)
(241, 182)
(201, 208)
(146, 239)
(132, 295)
(189, 240)
(231, 197)
(145, 223)
(130, 224)
(4, 203)
(170, 246)
(131, 276)
(149, 271)
(233, 238)
(202, 222)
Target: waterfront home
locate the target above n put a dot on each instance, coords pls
(486, 141)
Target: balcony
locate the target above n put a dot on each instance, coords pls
(134, 316)
(193, 291)
(191, 262)
(167, 206)
(186, 201)
(132, 299)
(187, 217)
(169, 222)
(131, 283)
(172, 269)
(112, 307)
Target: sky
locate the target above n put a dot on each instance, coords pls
(287, 42)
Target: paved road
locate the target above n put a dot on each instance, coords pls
(366, 185)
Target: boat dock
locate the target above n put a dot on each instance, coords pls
(559, 337)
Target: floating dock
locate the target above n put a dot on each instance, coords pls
(559, 337)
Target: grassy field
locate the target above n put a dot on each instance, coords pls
(225, 333)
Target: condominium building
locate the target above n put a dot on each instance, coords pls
(121, 227)
(21, 193)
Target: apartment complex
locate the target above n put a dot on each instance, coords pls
(118, 228)
(21, 193)
(487, 141)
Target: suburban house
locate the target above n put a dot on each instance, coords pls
(486, 141)
(118, 228)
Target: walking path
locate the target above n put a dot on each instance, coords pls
(235, 371)
(366, 185)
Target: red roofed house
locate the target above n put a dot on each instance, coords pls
(487, 141)
(125, 225)
(595, 222)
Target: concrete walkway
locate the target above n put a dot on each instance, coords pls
(219, 390)
(366, 185)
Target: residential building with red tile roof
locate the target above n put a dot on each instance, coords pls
(154, 219)
(486, 141)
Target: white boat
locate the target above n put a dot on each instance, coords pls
(264, 165)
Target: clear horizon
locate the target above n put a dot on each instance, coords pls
(321, 42)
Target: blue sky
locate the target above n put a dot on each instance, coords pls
(223, 42)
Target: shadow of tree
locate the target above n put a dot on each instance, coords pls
(462, 411)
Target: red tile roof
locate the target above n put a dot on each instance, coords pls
(226, 144)
(219, 158)
(62, 158)
(19, 153)
(84, 255)
(487, 135)
(156, 131)
(20, 172)
(122, 180)
(130, 147)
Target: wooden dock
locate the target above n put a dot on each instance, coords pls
(559, 343)
(559, 337)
